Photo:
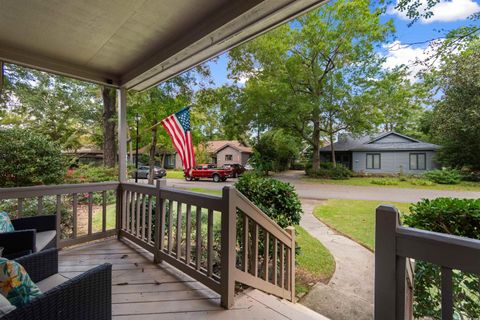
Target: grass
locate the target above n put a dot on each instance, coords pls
(410, 183)
(354, 218)
(208, 191)
(175, 174)
(97, 218)
(314, 263)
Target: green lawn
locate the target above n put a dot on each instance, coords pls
(208, 191)
(314, 263)
(97, 218)
(393, 182)
(175, 174)
(354, 218)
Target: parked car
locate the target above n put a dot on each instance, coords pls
(144, 171)
(237, 169)
(208, 171)
(248, 167)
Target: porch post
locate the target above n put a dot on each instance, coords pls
(1, 76)
(122, 134)
(389, 299)
(228, 239)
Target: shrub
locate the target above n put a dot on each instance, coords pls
(328, 171)
(459, 217)
(90, 173)
(28, 158)
(276, 198)
(384, 182)
(445, 176)
(419, 182)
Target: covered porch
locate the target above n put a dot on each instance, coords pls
(178, 254)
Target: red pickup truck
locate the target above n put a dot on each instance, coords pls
(208, 171)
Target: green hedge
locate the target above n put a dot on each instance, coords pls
(459, 217)
(445, 176)
(276, 198)
(328, 171)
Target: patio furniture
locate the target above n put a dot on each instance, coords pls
(31, 234)
(86, 296)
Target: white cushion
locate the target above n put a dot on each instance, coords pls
(5, 306)
(43, 238)
(51, 282)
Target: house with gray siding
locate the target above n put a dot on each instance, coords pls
(388, 152)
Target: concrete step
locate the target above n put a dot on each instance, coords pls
(283, 307)
(337, 305)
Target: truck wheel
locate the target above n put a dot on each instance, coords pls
(216, 178)
(188, 178)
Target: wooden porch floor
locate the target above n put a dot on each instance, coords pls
(143, 290)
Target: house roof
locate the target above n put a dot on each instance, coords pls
(216, 146)
(374, 143)
(132, 44)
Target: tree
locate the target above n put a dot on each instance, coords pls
(295, 63)
(398, 100)
(28, 158)
(108, 118)
(455, 119)
(65, 110)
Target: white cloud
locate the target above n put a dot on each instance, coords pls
(400, 54)
(445, 11)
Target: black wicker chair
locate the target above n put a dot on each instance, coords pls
(31, 234)
(86, 296)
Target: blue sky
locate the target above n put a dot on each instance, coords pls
(447, 15)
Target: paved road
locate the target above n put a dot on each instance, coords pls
(316, 191)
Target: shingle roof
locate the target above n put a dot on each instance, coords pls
(371, 143)
(215, 146)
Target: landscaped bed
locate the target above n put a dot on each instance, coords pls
(354, 218)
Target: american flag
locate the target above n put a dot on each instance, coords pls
(178, 128)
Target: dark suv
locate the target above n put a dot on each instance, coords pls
(237, 169)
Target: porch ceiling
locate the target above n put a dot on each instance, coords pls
(133, 44)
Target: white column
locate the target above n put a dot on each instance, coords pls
(122, 134)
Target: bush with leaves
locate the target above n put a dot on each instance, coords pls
(28, 158)
(459, 217)
(445, 176)
(276, 198)
(328, 171)
(91, 173)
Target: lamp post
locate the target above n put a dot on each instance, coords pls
(137, 119)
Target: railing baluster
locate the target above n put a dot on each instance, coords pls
(149, 227)
(104, 211)
(289, 271)
(132, 212)
(39, 205)
(210, 243)
(90, 212)
(74, 209)
(59, 219)
(275, 258)
(124, 209)
(128, 210)
(198, 236)
(170, 226)
(447, 294)
(179, 230)
(255, 249)
(291, 263)
(163, 213)
(20, 206)
(188, 226)
(137, 218)
(266, 255)
(245, 242)
(282, 265)
(144, 204)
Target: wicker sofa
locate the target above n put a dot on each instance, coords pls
(31, 234)
(86, 296)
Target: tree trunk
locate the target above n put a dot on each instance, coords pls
(153, 151)
(332, 149)
(316, 146)
(164, 155)
(109, 144)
